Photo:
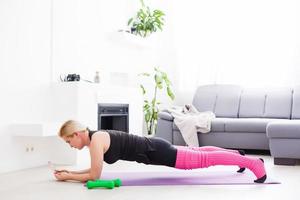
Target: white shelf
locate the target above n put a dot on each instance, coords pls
(35, 129)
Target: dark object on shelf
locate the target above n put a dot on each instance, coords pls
(73, 77)
(70, 77)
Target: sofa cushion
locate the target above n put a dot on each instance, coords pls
(247, 125)
(296, 103)
(228, 100)
(218, 124)
(278, 103)
(252, 103)
(284, 129)
(205, 98)
(223, 100)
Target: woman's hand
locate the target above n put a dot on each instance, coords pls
(62, 175)
(63, 170)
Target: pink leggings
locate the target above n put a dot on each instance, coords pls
(203, 157)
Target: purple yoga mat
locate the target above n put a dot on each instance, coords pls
(184, 178)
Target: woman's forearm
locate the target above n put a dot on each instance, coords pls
(81, 171)
(81, 177)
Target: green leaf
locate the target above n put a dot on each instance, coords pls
(160, 86)
(153, 102)
(167, 81)
(147, 116)
(170, 93)
(129, 21)
(143, 89)
(159, 12)
(146, 108)
(155, 116)
(158, 79)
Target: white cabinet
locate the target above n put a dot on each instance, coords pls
(79, 101)
(35, 130)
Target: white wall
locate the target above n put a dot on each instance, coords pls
(252, 43)
(25, 73)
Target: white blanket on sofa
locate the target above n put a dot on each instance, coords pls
(190, 121)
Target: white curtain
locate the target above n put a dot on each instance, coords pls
(246, 42)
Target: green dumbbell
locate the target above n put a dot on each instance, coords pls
(117, 182)
(110, 184)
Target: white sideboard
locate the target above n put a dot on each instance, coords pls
(41, 129)
(79, 101)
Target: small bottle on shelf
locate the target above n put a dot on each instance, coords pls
(97, 77)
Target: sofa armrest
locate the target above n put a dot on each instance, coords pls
(165, 115)
(284, 129)
(165, 126)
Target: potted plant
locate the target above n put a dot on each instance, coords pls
(146, 21)
(151, 106)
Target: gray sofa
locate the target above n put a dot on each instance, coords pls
(260, 119)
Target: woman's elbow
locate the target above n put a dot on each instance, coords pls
(94, 176)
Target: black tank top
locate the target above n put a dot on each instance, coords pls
(125, 146)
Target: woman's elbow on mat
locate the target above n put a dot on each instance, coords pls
(94, 176)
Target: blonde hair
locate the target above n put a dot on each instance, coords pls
(70, 127)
